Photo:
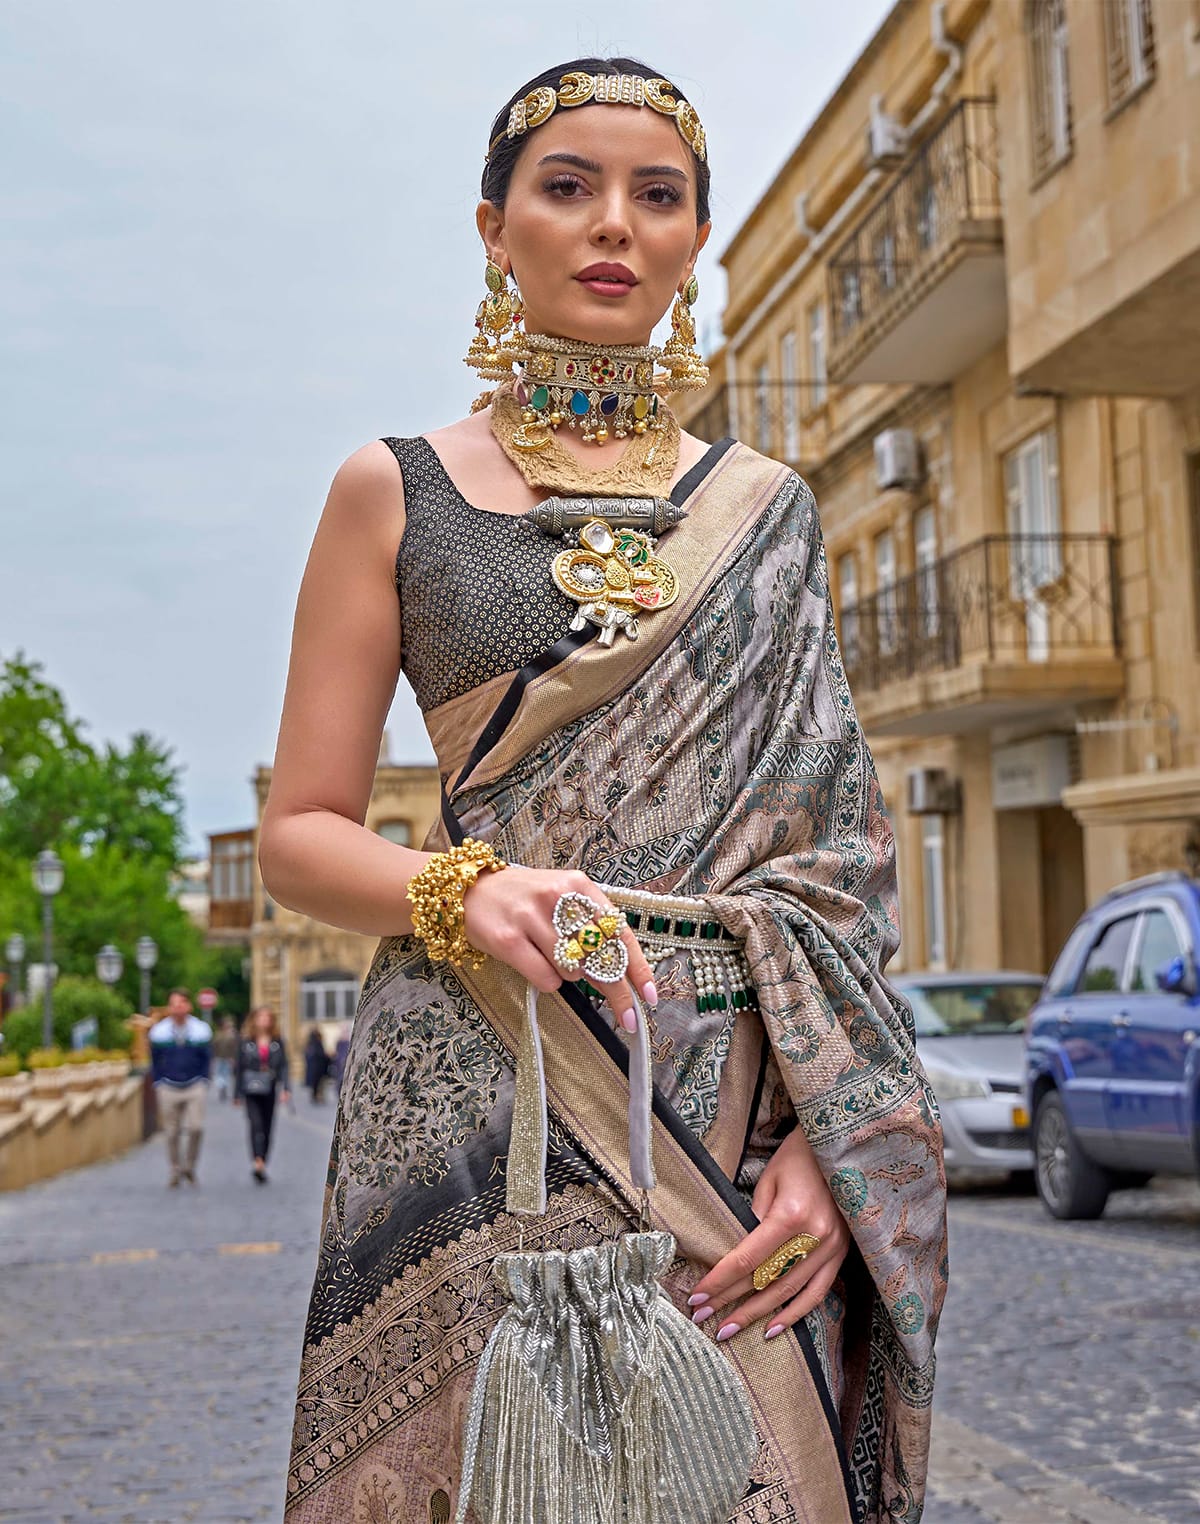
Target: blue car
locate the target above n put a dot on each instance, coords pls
(1112, 1064)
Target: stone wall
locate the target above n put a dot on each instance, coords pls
(59, 1119)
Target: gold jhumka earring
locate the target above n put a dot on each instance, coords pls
(686, 370)
(499, 343)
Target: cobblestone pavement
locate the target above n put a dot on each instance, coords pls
(1069, 1363)
(149, 1341)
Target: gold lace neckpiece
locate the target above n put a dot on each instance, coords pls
(646, 467)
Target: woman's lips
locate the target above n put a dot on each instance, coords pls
(605, 286)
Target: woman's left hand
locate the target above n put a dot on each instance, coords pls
(791, 1197)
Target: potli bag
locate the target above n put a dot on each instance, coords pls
(596, 1400)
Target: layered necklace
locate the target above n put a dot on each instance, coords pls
(599, 394)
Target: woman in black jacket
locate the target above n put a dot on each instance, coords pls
(262, 1073)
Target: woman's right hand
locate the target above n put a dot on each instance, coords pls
(510, 915)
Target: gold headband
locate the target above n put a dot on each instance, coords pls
(577, 89)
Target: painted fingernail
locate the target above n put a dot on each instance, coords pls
(701, 1313)
(775, 1328)
(697, 1297)
(629, 1020)
(727, 1332)
(649, 993)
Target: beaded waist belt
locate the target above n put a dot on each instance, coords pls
(667, 924)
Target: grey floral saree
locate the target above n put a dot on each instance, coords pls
(717, 756)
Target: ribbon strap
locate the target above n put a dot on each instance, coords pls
(526, 1186)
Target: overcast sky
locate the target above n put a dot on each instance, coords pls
(237, 242)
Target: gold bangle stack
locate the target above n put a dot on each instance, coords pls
(437, 899)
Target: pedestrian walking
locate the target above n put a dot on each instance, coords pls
(261, 1077)
(340, 1055)
(180, 1062)
(316, 1065)
(224, 1052)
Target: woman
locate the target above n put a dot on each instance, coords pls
(316, 1065)
(262, 1074)
(707, 777)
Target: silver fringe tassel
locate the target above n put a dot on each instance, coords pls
(597, 1402)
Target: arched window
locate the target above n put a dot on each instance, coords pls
(1050, 85)
(328, 994)
(399, 831)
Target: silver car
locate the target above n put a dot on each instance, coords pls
(970, 1040)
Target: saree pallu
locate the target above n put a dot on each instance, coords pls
(718, 756)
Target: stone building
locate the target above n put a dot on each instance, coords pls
(307, 971)
(967, 311)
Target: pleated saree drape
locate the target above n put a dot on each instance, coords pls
(718, 756)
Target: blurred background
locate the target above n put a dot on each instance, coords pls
(954, 281)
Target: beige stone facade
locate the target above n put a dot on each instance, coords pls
(305, 970)
(968, 312)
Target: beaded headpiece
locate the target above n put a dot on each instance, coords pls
(578, 89)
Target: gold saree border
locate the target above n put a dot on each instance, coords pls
(734, 493)
(589, 1092)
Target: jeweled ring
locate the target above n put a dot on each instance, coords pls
(787, 1255)
(589, 939)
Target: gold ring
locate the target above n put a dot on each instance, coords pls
(787, 1255)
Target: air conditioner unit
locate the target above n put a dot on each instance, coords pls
(932, 791)
(887, 140)
(897, 459)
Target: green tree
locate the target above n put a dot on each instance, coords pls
(56, 788)
(115, 817)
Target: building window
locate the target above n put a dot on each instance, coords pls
(847, 574)
(1129, 43)
(329, 995)
(1050, 86)
(762, 407)
(933, 877)
(791, 419)
(1035, 529)
(232, 867)
(398, 831)
(816, 352)
(885, 592)
(925, 559)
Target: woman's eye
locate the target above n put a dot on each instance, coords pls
(662, 195)
(564, 185)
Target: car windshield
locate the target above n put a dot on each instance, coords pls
(970, 1008)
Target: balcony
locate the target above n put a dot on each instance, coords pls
(917, 289)
(1010, 627)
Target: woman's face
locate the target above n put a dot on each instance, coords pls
(599, 225)
(262, 1023)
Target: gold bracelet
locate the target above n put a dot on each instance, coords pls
(437, 899)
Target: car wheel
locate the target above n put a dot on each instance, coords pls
(1069, 1184)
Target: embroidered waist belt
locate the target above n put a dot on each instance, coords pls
(667, 925)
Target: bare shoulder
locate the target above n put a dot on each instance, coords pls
(366, 496)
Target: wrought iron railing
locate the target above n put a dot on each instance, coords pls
(786, 419)
(1037, 598)
(952, 178)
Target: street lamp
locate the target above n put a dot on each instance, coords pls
(47, 880)
(14, 951)
(146, 954)
(110, 965)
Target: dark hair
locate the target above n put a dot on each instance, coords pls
(179, 990)
(498, 169)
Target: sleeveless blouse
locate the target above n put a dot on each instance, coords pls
(476, 596)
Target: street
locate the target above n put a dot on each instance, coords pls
(151, 1340)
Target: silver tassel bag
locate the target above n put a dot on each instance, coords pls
(596, 1400)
